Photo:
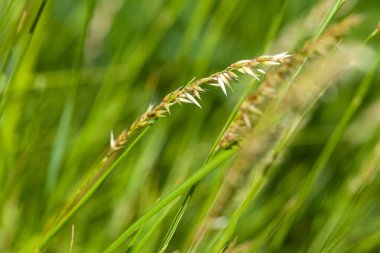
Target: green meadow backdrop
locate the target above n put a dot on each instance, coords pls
(288, 161)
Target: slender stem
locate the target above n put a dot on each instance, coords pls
(329, 18)
(87, 189)
(325, 23)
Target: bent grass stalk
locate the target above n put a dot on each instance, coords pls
(295, 124)
(188, 94)
(254, 106)
(333, 140)
(328, 148)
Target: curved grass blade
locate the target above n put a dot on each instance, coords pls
(176, 220)
(137, 247)
(196, 177)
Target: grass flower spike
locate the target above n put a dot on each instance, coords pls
(191, 93)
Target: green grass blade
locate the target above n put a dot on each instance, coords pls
(201, 173)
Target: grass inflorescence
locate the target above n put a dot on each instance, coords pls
(289, 162)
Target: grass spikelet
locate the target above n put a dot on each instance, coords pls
(191, 91)
(250, 111)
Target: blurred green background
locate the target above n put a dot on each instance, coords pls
(73, 71)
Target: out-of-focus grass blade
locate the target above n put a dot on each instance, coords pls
(59, 145)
